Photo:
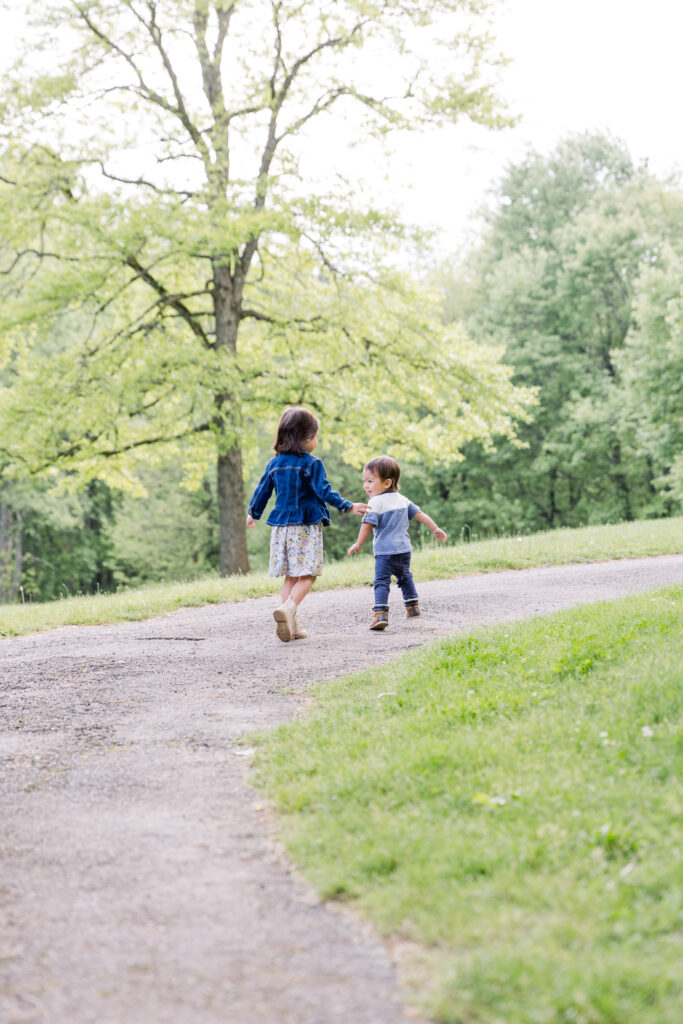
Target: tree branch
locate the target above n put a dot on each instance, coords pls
(170, 300)
(277, 100)
(145, 90)
(111, 452)
(324, 103)
(304, 323)
(42, 253)
(213, 90)
(335, 271)
(142, 181)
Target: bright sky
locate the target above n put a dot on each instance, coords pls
(609, 65)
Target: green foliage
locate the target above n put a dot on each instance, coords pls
(171, 276)
(651, 371)
(169, 533)
(561, 279)
(100, 398)
(60, 544)
(508, 803)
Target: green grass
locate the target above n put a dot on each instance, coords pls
(590, 544)
(506, 803)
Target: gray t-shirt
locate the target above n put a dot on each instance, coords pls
(389, 515)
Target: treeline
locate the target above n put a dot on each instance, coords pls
(577, 277)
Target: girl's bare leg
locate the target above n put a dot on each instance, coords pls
(302, 587)
(287, 587)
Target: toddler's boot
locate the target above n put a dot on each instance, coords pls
(412, 611)
(380, 620)
(285, 620)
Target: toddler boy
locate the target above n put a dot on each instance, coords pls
(388, 520)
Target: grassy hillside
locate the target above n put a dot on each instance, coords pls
(590, 544)
(507, 805)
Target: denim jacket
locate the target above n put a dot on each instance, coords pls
(302, 492)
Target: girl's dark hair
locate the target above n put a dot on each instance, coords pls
(386, 468)
(296, 426)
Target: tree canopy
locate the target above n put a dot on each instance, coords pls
(171, 277)
(578, 276)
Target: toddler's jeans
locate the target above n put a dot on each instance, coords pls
(387, 566)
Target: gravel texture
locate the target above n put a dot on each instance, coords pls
(140, 882)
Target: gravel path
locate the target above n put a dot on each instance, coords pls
(139, 880)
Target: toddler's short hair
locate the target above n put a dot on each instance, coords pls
(296, 426)
(386, 468)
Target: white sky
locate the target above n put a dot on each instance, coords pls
(609, 65)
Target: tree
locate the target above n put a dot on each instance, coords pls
(555, 280)
(53, 545)
(169, 534)
(651, 370)
(156, 221)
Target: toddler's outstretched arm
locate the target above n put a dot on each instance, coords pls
(363, 534)
(439, 534)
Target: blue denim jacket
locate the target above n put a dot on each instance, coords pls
(302, 492)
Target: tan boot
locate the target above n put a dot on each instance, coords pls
(380, 621)
(299, 632)
(285, 617)
(412, 612)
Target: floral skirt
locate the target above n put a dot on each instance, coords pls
(296, 550)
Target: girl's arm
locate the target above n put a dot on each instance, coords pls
(363, 534)
(259, 498)
(440, 534)
(323, 490)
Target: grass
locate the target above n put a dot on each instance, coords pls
(589, 544)
(506, 805)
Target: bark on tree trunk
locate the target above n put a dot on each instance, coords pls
(5, 552)
(11, 554)
(232, 546)
(18, 558)
(621, 481)
(233, 541)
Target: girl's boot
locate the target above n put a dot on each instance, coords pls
(285, 618)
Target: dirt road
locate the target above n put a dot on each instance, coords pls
(139, 883)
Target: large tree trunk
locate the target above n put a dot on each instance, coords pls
(233, 539)
(232, 551)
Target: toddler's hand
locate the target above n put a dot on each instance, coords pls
(440, 535)
(251, 523)
(353, 550)
(359, 508)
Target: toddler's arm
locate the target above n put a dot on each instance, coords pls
(363, 534)
(439, 534)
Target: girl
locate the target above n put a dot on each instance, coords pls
(302, 493)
